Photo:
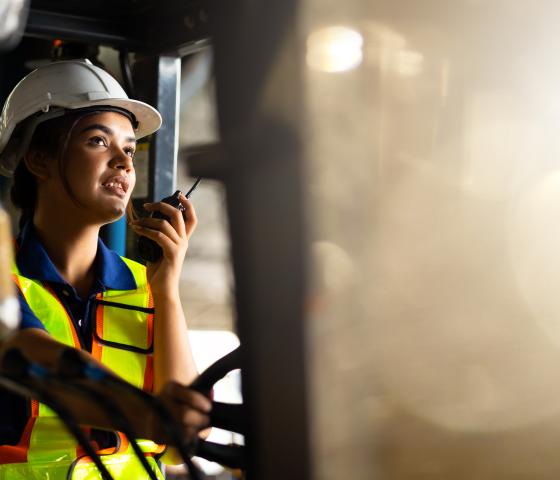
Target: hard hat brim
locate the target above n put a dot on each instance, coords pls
(149, 119)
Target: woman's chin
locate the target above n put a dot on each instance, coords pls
(111, 214)
(116, 208)
(104, 210)
(118, 212)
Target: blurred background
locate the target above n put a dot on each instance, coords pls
(432, 155)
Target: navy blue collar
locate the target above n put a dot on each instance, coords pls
(33, 262)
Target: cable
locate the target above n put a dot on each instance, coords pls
(231, 456)
(227, 416)
(223, 415)
(215, 372)
(120, 421)
(72, 365)
(19, 370)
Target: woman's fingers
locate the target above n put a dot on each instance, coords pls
(190, 408)
(182, 394)
(190, 215)
(189, 418)
(174, 216)
(184, 222)
(159, 225)
(171, 233)
(159, 237)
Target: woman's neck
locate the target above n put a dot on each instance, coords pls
(72, 247)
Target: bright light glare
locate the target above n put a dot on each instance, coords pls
(334, 49)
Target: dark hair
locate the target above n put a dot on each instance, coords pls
(51, 138)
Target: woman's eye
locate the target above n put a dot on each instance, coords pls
(130, 152)
(98, 141)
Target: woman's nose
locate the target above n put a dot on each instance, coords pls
(123, 161)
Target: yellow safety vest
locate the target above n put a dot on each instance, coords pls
(122, 340)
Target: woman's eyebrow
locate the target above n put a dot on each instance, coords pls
(106, 129)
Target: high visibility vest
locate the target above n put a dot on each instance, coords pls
(123, 341)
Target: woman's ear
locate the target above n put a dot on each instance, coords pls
(38, 163)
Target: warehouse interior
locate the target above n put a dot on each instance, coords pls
(377, 221)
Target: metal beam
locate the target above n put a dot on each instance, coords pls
(175, 27)
(157, 82)
(95, 30)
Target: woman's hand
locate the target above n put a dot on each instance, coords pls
(173, 237)
(173, 360)
(189, 408)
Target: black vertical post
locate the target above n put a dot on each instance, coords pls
(259, 97)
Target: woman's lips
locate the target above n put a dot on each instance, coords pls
(117, 185)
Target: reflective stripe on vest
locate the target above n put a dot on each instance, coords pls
(123, 341)
(123, 333)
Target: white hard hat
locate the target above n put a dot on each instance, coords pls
(50, 91)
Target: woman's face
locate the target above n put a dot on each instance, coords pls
(99, 165)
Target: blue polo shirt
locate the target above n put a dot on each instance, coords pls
(111, 273)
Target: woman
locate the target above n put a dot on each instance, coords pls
(68, 132)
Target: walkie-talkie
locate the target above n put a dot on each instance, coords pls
(147, 248)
